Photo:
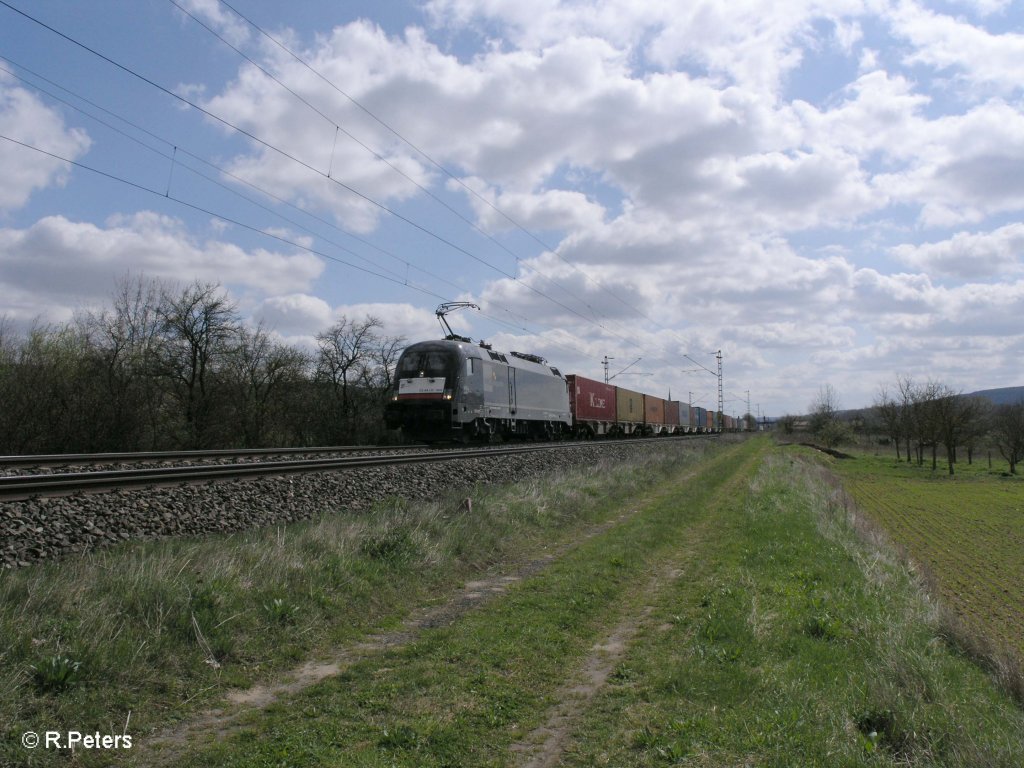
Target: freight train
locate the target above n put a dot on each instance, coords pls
(453, 389)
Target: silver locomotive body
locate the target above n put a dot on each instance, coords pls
(455, 390)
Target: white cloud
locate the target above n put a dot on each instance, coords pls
(230, 26)
(553, 209)
(981, 58)
(973, 256)
(26, 119)
(75, 263)
(295, 314)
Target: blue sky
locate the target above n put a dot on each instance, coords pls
(828, 192)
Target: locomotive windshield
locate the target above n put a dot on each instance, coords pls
(430, 364)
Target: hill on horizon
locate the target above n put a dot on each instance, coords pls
(1000, 396)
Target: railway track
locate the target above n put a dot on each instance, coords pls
(81, 459)
(15, 487)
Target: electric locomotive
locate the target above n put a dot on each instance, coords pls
(453, 389)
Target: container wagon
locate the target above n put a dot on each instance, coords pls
(672, 416)
(629, 411)
(654, 415)
(593, 406)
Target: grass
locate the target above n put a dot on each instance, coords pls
(760, 619)
(966, 533)
(157, 631)
(461, 695)
(797, 642)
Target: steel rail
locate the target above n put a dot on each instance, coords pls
(64, 459)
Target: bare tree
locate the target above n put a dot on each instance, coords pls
(344, 351)
(908, 393)
(1008, 432)
(380, 377)
(198, 325)
(890, 414)
(976, 428)
(788, 424)
(261, 369)
(124, 340)
(954, 415)
(825, 424)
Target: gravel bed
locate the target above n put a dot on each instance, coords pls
(49, 528)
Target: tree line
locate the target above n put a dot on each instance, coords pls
(921, 417)
(170, 366)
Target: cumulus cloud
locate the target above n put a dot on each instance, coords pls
(74, 263)
(972, 256)
(552, 209)
(966, 167)
(230, 26)
(26, 119)
(980, 58)
(300, 316)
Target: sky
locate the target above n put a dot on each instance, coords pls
(826, 192)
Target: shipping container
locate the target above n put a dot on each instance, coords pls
(592, 404)
(654, 414)
(684, 417)
(629, 410)
(700, 419)
(709, 419)
(694, 424)
(672, 415)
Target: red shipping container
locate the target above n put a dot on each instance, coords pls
(672, 413)
(654, 410)
(591, 400)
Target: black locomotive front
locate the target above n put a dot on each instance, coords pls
(427, 380)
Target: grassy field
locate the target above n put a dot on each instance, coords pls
(716, 608)
(149, 634)
(966, 531)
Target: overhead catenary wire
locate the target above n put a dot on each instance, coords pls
(313, 169)
(338, 128)
(384, 124)
(289, 156)
(241, 224)
(514, 326)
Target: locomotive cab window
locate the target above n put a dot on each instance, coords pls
(425, 364)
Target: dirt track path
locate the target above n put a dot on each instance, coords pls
(544, 746)
(216, 723)
(583, 680)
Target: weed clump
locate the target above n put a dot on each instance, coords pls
(56, 673)
(394, 545)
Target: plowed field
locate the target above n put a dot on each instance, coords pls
(967, 531)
